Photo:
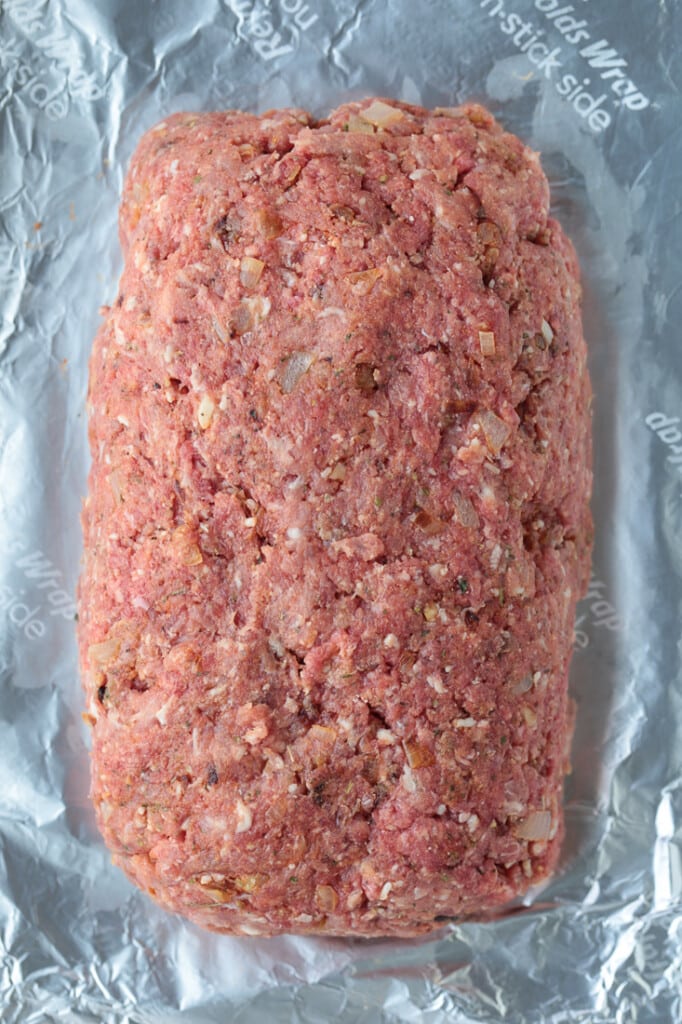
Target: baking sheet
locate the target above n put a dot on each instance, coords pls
(594, 85)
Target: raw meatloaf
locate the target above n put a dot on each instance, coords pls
(337, 520)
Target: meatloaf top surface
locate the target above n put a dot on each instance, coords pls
(337, 522)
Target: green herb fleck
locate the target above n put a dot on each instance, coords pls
(462, 584)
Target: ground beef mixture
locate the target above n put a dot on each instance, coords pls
(337, 520)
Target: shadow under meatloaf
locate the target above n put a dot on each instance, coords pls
(337, 520)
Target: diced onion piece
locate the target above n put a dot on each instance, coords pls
(513, 808)
(364, 280)
(115, 484)
(324, 734)
(192, 555)
(244, 817)
(418, 755)
(529, 716)
(486, 340)
(465, 511)
(249, 313)
(430, 611)
(218, 895)
(249, 883)
(269, 223)
(523, 686)
(319, 743)
(213, 878)
(381, 114)
(408, 780)
(104, 652)
(185, 547)
(537, 826)
(331, 311)
(547, 332)
(435, 682)
(356, 124)
(250, 271)
(429, 524)
(105, 810)
(292, 175)
(217, 887)
(495, 429)
(365, 377)
(205, 411)
(222, 333)
(326, 898)
(293, 369)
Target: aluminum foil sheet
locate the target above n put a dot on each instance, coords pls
(594, 85)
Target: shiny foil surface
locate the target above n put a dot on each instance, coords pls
(594, 86)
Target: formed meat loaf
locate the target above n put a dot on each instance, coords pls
(337, 520)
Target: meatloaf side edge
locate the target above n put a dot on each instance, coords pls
(337, 521)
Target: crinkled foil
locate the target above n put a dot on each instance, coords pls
(594, 85)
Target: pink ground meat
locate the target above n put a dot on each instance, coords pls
(337, 521)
